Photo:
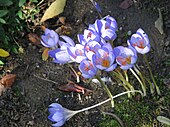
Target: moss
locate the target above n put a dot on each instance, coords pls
(108, 122)
(140, 112)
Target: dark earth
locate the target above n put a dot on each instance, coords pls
(26, 103)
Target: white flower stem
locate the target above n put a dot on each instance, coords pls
(142, 85)
(106, 89)
(105, 101)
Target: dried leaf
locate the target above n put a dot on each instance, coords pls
(126, 4)
(1, 63)
(21, 50)
(159, 22)
(62, 20)
(4, 53)
(45, 54)
(55, 9)
(8, 80)
(34, 38)
(2, 89)
(73, 87)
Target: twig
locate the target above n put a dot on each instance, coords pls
(45, 79)
(115, 116)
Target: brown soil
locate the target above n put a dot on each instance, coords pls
(26, 103)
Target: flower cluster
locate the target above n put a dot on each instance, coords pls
(94, 51)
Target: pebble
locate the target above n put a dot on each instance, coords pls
(167, 43)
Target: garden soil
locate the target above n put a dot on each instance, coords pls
(26, 103)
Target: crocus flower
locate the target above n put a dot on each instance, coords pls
(59, 114)
(61, 55)
(87, 69)
(96, 5)
(125, 57)
(91, 48)
(104, 58)
(140, 42)
(106, 28)
(90, 35)
(50, 38)
(77, 53)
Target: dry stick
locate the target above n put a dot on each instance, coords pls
(115, 116)
(45, 79)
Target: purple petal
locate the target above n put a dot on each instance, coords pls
(55, 105)
(112, 22)
(126, 67)
(60, 56)
(112, 67)
(68, 40)
(58, 116)
(59, 124)
(55, 117)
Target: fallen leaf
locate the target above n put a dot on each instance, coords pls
(20, 49)
(45, 54)
(62, 20)
(126, 4)
(2, 89)
(4, 53)
(159, 22)
(8, 80)
(54, 9)
(34, 38)
(1, 63)
(73, 87)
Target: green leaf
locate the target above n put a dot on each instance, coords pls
(34, 1)
(5, 2)
(1, 63)
(22, 2)
(3, 53)
(3, 12)
(20, 14)
(2, 21)
(163, 119)
(15, 50)
(55, 9)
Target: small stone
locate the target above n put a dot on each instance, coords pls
(86, 112)
(167, 43)
(86, 97)
(129, 33)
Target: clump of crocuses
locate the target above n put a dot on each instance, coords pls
(93, 53)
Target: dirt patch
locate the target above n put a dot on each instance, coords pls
(26, 103)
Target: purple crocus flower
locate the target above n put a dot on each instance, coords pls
(96, 5)
(106, 28)
(90, 35)
(87, 69)
(50, 38)
(104, 58)
(77, 53)
(61, 55)
(140, 42)
(59, 114)
(125, 57)
(91, 48)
